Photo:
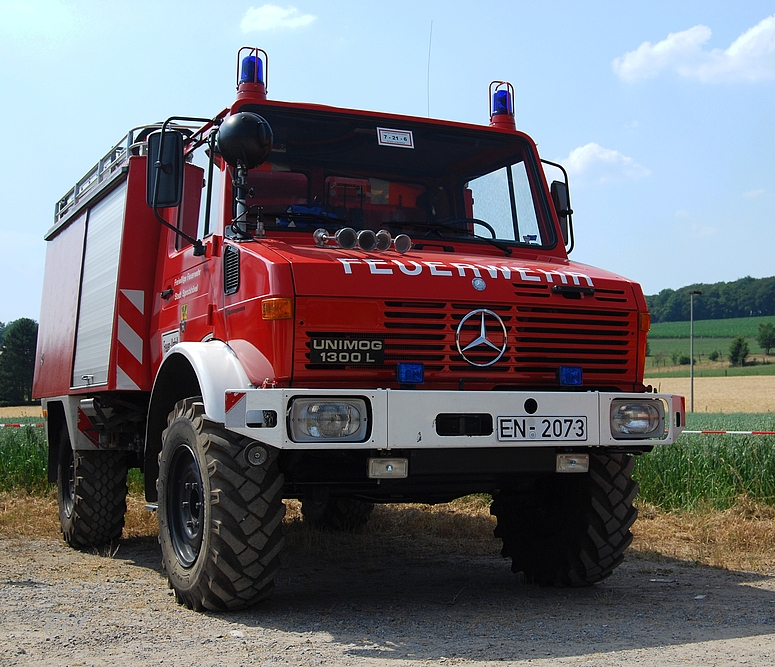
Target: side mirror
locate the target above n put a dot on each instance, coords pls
(561, 200)
(164, 175)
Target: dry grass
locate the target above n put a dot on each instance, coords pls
(28, 516)
(21, 411)
(741, 538)
(463, 527)
(37, 516)
(139, 522)
(723, 394)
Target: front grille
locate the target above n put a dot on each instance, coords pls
(540, 339)
(600, 341)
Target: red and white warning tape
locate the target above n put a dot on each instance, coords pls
(730, 432)
(706, 432)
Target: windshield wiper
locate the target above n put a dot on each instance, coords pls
(455, 225)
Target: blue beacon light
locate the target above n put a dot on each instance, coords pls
(252, 70)
(571, 376)
(410, 373)
(502, 103)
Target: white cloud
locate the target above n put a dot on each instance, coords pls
(753, 194)
(687, 222)
(751, 57)
(594, 164)
(274, 17)
(701, 231)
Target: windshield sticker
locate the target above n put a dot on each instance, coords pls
(400, 138)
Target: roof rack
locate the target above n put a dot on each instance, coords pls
(132, 143)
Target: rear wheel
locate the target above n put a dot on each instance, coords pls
(347, 514)
(570, 530)
(220, 512)
(91, 494)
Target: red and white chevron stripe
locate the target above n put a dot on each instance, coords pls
(131, 348)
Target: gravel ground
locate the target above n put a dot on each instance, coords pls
(392, 606)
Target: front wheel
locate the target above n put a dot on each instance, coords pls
(220, 512)
(569, 529)
(91, 494)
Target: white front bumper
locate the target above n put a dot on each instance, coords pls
(406, 419)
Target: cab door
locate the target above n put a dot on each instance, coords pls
(188, 281)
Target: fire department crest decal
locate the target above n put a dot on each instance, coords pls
(481, 337)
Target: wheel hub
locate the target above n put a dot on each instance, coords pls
(68, 490)
(185, 507)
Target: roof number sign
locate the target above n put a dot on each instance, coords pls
(400, 138)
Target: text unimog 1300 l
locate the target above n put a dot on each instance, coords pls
(345, 307)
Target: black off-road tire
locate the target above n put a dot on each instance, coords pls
(343, 514)
(569, 529)
(220, 517)
(91, 494)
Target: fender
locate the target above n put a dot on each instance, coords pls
(190, 369)
(217, 369)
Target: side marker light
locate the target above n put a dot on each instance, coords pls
(277, 309)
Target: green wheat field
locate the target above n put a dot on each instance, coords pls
(698, 471)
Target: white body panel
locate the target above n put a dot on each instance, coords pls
(78, 439)
(406, 419)
(217, 369)
(97, 305)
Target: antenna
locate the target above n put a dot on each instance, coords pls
(428, 80)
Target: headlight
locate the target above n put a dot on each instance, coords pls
(317, 419)
(637, 419)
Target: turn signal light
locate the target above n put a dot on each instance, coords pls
(277, 309)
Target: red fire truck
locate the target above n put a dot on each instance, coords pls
(345, 307)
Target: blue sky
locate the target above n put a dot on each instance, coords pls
(663, 112)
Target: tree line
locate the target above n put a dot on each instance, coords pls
(747, 297)
(18, 340)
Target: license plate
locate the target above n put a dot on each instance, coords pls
(534, 429)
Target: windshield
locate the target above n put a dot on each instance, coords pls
(333, 170)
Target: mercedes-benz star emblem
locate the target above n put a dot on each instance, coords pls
(481, 344)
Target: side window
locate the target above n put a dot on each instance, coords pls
(493, 204)
(529, 231)
(189, 209)
(504, 199)
(201, 159)
(193, 207)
